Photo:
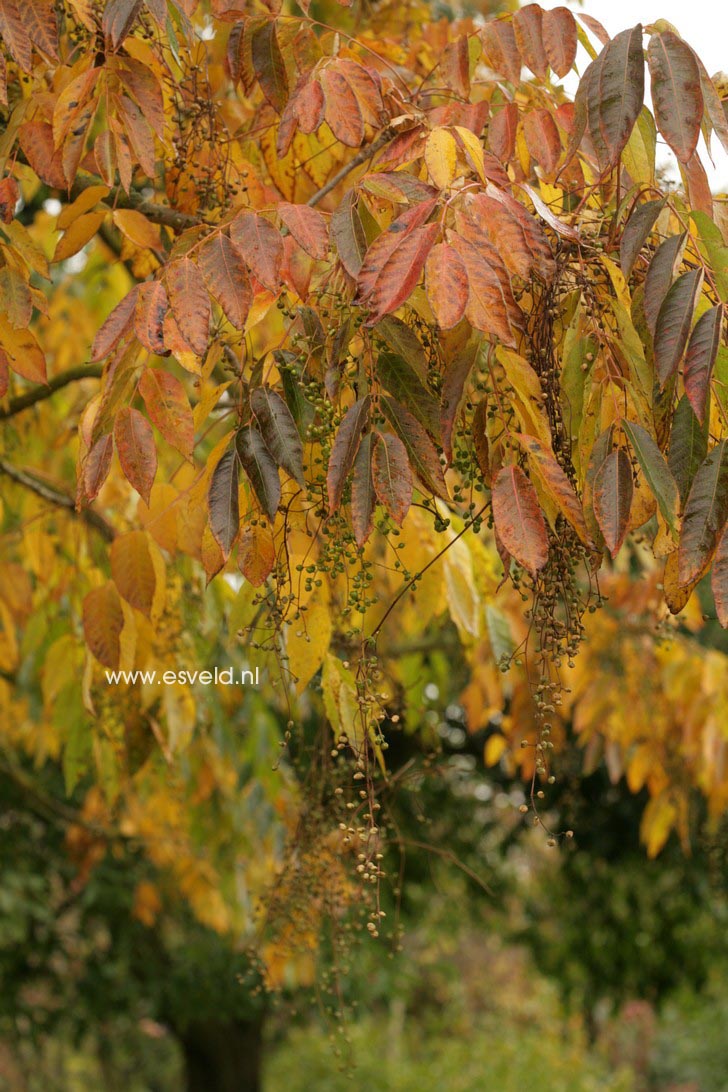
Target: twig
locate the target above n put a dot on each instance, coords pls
(38, 394)
(60, 500)
(364, 154)
(158, 214)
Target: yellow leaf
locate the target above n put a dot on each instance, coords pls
(83, 203)
(138, 229)
(307, 642)
(78, 235)
(494, 749)
(441, 154)
(658, 819)
(473, 150)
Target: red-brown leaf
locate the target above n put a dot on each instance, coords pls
(700, 358)
(261, 245)
(137, 453)
(518, 519)
(500, 50)
(342, 110)
(719, 579)
(190, 303)
(151, 307)
(307, 226)
(103, 621)
(392, 475)
(613, 489)
(676, 92)
(363, 497)
(169, 409)
(344, 449)
(226, 276)
(559, 39)
(527, 24)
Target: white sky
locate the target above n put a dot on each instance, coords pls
(702, 23)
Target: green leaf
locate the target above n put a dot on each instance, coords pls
(706, 512)
(344, 449)
(656, 471)
(636, 231)
(613, 490)
(363, 497)
(616, 94)
(660, 276)
(714, 250)
(404, 383)
(688, 446)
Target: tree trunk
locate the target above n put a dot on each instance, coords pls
(223, 1057)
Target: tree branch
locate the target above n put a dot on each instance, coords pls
(363, 155)
(60, 500)
(38, 394)
(158, 214)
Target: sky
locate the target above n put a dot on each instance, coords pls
(702, 23)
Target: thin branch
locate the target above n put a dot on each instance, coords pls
(363, 155)
(158, 214)
(38, 394)
(60, 500)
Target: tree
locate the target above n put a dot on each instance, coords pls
(353, 317)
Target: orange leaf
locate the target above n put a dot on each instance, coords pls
(226, 277)
(307, 226)
(151, 307)
(256, 553)
(103, 621)
(261, 245)
(446, 284)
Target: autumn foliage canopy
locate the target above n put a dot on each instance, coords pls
(323, 332)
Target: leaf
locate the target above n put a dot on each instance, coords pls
(103, 621)
(15, 34)
(138, 230)
(491, 306)
(527, 28)
(260, 467)
(676, 93)
(42, 26)
(519, 520)
(542, 139)
(673, 323)
(636, 231)
(502, 131)
(706, 512)
(719, 579)
(613, 490)
(151, 307)
(134, 571)
(269, 66)
(279, 431)
(441, 155)
(714, 250)
(657, 474)
(423, 457)
(688, 446)
(556, 484)
(500, 51)
(223, 502)
(226, 276)
(392, 475)
(256, 553)
(169, 409)
(399, 272)
(190, 303)
(676, 594)
(700, 358)
(23, 353)
(480, 440)
(78, 235)
(307, 226)
(344, 450)
(387, 242)
(363, 497)
(137, 453)
(615, 94)
(560, 40)
(116, 325)
(453, 389)
(404, 383)
(660, 276)
(96, 466)
(348, 234)
(515, 232)
(342, 109)
(307, 642)
(15, 298)
(9, 197)
(261, 245)
(36, 141)
(118, 19)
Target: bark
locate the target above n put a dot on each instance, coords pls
(223, 1057)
